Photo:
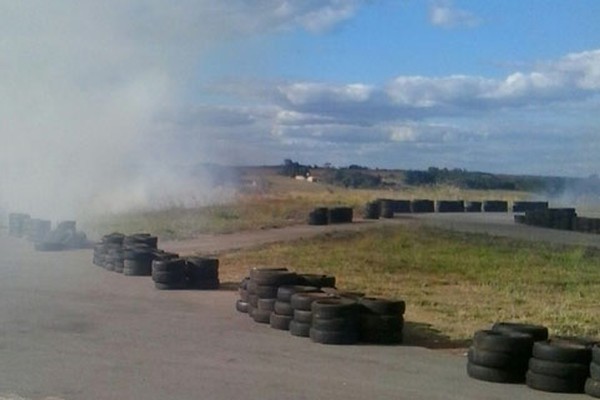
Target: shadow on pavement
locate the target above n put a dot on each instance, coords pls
(423, 335)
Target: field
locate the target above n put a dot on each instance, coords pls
(453, 283)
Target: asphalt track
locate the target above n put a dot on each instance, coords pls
(70, 330)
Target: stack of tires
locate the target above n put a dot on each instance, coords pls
(283, 313)
(65, 236)
(262, 291)
(422, 206)
(444, 206)
(381, 320)
(387, 208)
(592, 384)
(401, 206)
(524, 206)
(242, 304)
(169, 273)
(473, 206)
(102, 251)
(319, 216)
(372, 210)
(17, 224)
(340, 215)
(139, 252)
(335, 321)
(37, 229)
(560, 366)
(202, 273)
(301, 304)
(502, 354)
(495, 206)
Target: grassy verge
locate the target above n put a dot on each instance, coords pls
(456, 282)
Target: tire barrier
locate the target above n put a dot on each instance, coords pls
(202, 273)
(524, 206)
(372, 210)
(38, 229)
(443, 206)
(308, 306)
(592, 384)
(340, 215)
(473, 206)
(422, 206)
(319, 216)
(334, 215)
(500, 357)
(556, 218)
(17, 224)
(387, 208)
(381, 320)
(495, 206)
(64, 237)
(560, 366)
(401, 206)
(516, 353)
(139, 255)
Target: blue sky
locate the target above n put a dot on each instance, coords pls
(95, 92)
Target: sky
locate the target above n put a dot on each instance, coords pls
(114, 99)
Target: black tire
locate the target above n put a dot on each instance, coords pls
(383, 306)
(283, 308)
(538, 332)
(335, 324)
(514, 343)
(265, 292)
(168, 277)
(203, 267)
(319, 216)
(496, 375)
(381, 329)
(596, 354)
(266, 304)
(253, 300)
(299, 329)
(592, 388)
(303, 301)
(553, 384)
(498, 360)
(241, 306)
(566, 351)
(559, 369)
(332, 337)
(303, 316)
(261, 316)
(281, 322)
(243, 294)
(334, 308)
(137, 268)
(273, 277)
(170, 286)
(284, 293)
(595, 370)
(317, 280)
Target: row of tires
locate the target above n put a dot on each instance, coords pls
(308, 305)
(335, 215)
(44, 238)
(386, 208)
(138, 255)
(560, 218)
(523, 353)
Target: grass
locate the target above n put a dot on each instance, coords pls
(456, 282)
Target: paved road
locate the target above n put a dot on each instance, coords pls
(70, 330)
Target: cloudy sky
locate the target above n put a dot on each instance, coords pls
(97, 93)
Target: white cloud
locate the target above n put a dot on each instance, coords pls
(445, 15)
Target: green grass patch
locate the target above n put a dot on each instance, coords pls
(457, 282)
